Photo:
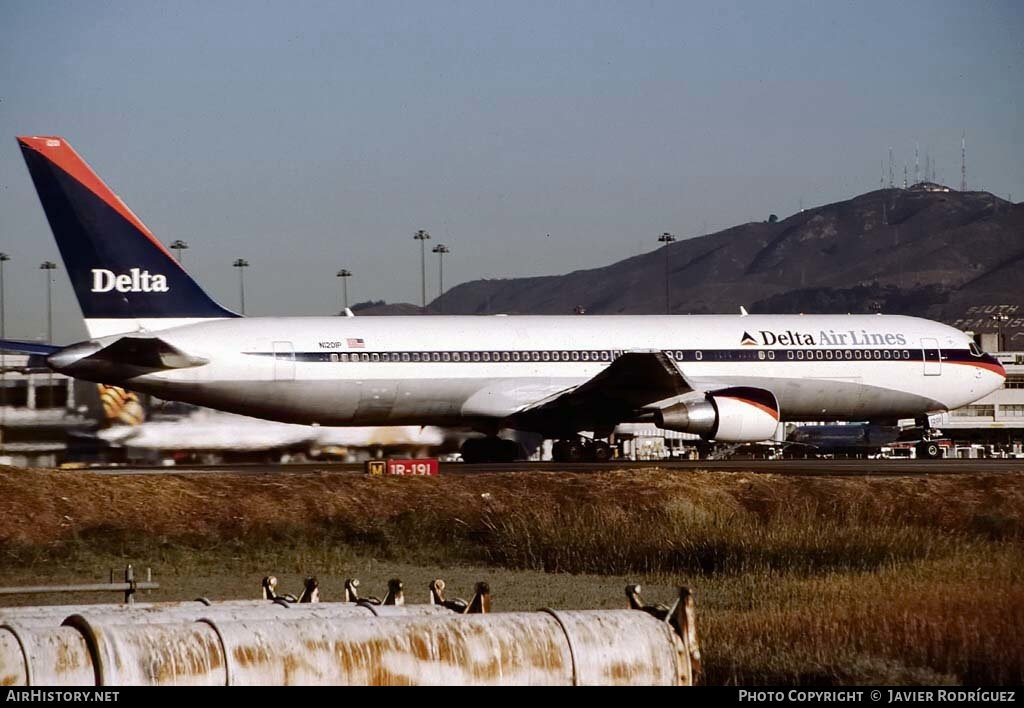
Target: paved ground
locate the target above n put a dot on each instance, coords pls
(786, 467)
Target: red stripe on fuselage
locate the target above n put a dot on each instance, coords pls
(57, 151)
(994, 368)
(770, 411)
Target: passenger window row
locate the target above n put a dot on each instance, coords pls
(610, 355)
(474, 357)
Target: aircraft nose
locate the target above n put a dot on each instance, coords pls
(995, 366)
(990, 364)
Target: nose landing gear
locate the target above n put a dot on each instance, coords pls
(928, 448)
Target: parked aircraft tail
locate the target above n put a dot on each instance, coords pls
(120, 406)
(124, 278)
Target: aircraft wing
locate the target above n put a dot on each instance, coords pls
(632, 382)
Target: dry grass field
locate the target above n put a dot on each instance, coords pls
(798, 580)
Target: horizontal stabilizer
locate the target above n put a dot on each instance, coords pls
(123, 359)
(146, 353)
(15, 346)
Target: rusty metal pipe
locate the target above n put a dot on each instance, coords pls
(242, 610)
(54, 656)
(262, 643)
(182, 654)
(618, 647)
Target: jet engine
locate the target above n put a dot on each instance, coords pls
(740, 414)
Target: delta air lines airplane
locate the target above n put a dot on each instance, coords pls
(728, 378)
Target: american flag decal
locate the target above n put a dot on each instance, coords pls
(356, 343)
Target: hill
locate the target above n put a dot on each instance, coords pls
(909, 251)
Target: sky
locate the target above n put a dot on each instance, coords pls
(531, 138)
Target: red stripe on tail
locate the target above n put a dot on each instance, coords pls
(56, 150)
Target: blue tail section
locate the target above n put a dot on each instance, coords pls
(117, 267)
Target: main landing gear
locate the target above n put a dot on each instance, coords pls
(491, 449)
(581, 450)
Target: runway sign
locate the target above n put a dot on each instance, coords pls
(427, 467)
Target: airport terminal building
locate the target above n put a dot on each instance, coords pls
(995, 421)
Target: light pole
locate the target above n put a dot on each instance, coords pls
(440, 249)
(241, 264)
(49, 267)
(999, 319)
(666, 238)
(178, 247)
(3, 363)
(422, 236)
(3, 312)
(344, 275)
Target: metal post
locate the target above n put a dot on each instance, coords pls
(344, 274)
(3, 359)
(422, 236)
(666, 238)
(999, 320)
(48, 267)
(3, 308)
(178, 247)
(128, 587)
(440, 249)
(241, 264)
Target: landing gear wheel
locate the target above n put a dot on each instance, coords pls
(508, 451)
(558, 450)
(570, 451)
(928, 450)
(601, 451)
(480, 450)
(473, 451)
(576, 451)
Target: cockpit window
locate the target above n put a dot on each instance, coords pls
(976, 350)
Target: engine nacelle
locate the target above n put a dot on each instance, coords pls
(740, 414)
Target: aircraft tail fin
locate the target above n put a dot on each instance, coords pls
(124, 278)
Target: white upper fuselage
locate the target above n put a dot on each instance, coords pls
(472, 370)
